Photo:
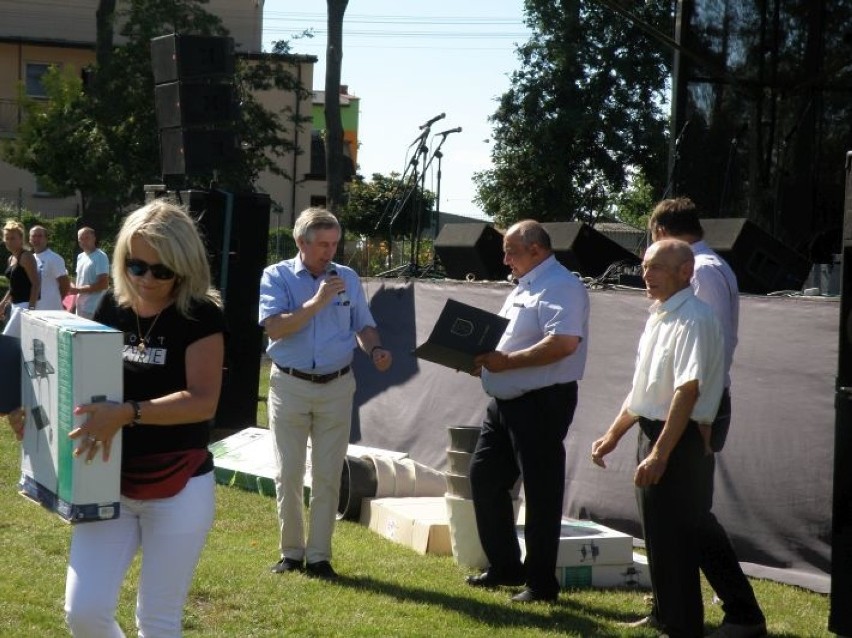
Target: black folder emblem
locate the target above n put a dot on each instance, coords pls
(461, 333)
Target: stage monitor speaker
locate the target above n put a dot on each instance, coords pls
(196, 151)
(840, 615)
(236, 244)
(185, 57)
(471, 251)
(580, 248)
(761, 263)
(192, 104)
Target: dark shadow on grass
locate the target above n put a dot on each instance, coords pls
(561, 615)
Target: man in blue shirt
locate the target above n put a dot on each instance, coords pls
(314, 312)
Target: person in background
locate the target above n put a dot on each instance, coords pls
(715, 284)
(24, 280)
(173, 355)
(314, 312)
(532, 380)
(92, 273)
(51, 267)
(677, 384)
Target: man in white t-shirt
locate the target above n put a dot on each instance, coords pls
(54, 276)
(92, 273)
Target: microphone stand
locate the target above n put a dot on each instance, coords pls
(726, 184)
(670, 186)
(399, 205)
(436, 214)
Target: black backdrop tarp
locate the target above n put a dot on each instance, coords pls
(773, 480)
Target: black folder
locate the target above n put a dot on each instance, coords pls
(10, 364)
(461, 333)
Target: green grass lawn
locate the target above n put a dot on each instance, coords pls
(385, 590)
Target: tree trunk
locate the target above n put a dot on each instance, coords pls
(104, 17)
(333, 124)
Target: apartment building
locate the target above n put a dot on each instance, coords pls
(35, 35)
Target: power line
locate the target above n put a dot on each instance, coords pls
(483, 33)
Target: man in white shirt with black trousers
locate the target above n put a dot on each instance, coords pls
(715, 284)
(532, 378)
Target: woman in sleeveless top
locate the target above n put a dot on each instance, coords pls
(24, 280)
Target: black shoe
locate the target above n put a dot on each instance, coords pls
(530, 596)
(321, 569)
(287, 565)
(490, 579)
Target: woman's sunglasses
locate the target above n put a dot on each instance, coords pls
(138, 268)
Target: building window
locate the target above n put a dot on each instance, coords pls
(35, 73)
(41, 190)
(318, 201)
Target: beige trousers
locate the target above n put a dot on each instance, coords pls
(299, 410)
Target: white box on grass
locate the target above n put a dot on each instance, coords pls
(68, 361)
(584, 542)
(634, 574)
(246, 459)
(418, 522)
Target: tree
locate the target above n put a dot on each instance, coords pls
(634, 204)
(103, 141)
(371, 206)
(334, 126)
(585, 109)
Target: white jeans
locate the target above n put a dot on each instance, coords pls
(171, 533)
(299, 409)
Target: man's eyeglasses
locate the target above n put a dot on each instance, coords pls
(138, 268)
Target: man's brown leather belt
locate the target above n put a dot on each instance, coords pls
(314, 378)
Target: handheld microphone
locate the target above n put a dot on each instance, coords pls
(457, 129)
(342, 296)
(432, 121)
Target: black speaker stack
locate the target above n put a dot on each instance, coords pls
(840, 616)
(580, 248)
(761, 263)
(235, 229)
(195, 103)
(472, 251)
(475, 250)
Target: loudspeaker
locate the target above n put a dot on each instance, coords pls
(840, 615)
(193, 151)
(235, 230)
(471, 251)
(580, 248)
(761, 263)
(184, 57)
(194, 104)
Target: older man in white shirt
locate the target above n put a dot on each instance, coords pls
(716, 285)
(677, 385)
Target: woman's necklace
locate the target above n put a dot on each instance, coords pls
(143, 341)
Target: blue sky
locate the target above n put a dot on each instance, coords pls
(409, 61)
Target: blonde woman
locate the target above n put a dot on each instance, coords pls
(173, 353)
(24, 280)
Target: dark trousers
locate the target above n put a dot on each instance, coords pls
(672, 512)
(523, 437)
(717, 559)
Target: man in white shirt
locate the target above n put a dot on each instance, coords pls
(51, 267)
(716, 285)
(92, 273)
(677, 385)
(532, 380)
